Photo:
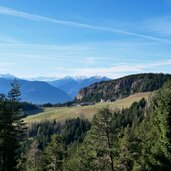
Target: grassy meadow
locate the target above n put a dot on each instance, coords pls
(60, 114)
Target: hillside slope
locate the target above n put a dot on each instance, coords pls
(63, 113)
(122, 87)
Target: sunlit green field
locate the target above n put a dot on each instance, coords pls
(62, 113)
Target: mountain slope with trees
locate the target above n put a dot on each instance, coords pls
(122, 87)
(130, 139)
(136, 138)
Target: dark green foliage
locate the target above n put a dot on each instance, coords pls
(74, 130)
(30, 109)
(154, 132)
(99, 142)
(123, 159)
(105, 146)
(141, 138)
(11, 129)
(42, 132)
(54, 154)
(123, 87)
(48, 139)
(28, 106)
(137, 138)
(66, 104)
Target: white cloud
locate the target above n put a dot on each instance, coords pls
(16, 13)
(160, 63)
(113, 71)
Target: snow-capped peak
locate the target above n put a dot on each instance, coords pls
(41, 78)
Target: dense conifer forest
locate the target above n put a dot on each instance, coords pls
(136, 138)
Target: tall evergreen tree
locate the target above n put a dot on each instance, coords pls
(12, 131)
(34, 158)
(54, 154)
(97, 153)
(124, 161)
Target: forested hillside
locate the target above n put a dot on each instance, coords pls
(135, 138)
(122, 87)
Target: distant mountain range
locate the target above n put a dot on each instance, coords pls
(56, 91)
(36, 91)
(46, 79)
(72, 85)
(83, 89)
(49, 79)
(7, 76)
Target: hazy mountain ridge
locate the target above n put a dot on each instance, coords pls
(39, 92)
(36, 91)
(49, 79)
(41, 78)
(7, 76)
(122, 87)
(72, 85)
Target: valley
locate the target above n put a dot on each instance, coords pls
(85, 85)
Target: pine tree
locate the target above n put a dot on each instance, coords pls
(152, 137)
(34, 157)
(12, 131)
(124, 162)
(54, 154)
(3, 131)
(97, 153)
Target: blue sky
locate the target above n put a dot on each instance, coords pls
(84, 37)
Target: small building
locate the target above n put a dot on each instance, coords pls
(102, 101)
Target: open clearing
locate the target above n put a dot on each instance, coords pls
(62, 113)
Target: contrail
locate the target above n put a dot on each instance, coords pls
(16, 13)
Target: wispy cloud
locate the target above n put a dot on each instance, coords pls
(7, 40)
(159, 63)
(44, 46)
(4, 66)
(16, 13)
(115, 71)
(161, 25)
